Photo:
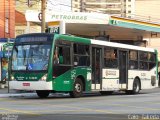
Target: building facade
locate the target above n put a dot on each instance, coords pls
(7, 19)
(114, 7)
(21, 25)
(148, 8)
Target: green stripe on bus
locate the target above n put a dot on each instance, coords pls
(73, 39)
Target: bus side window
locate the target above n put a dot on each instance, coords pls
(144, 65)
(133, 59)
(58, 55)
(55, 58)
(110, 59)
(81, 55)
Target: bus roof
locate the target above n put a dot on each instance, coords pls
(73, 38)
(120, 45)
(34, 34)
(104, 43)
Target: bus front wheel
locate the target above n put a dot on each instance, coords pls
(42, 93)
(77, 88)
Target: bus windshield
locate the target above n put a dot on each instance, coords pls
(30, 57)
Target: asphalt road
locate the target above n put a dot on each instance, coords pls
(119, 106)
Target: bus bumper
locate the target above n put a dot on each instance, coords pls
(28, 85)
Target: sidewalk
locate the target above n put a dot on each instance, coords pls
(5, 91)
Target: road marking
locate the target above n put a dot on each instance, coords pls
(84, 100)
(19, 111)
(61, 106)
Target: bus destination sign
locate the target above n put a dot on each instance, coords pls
(33, 39)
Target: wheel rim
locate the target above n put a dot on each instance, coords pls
(136, 87)
(78, 88)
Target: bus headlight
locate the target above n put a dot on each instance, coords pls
(44, 78)
(12, 77)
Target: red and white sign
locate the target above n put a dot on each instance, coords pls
(26, 84)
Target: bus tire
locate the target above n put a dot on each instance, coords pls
(106, 92)
(42, 93)
(136, 86)
(77, 88)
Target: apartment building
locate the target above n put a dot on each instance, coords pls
(114, 7)
(7, 18)
(148, 8)
(23, 5)
(21, 26)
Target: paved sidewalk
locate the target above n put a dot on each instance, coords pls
(5, 91)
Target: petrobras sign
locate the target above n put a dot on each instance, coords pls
(68, 17)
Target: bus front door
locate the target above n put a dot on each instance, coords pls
(96, 68)
(123, 69)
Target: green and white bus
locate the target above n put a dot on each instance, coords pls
(63, 63)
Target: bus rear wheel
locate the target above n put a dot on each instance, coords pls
(77, 88)
(136, 87)
(42, 93)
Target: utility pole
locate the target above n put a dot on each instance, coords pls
(43, 9)
(83, 6)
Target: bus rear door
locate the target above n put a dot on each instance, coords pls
(123, 69)
(96, 68)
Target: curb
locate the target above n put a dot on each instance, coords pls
(17, 95)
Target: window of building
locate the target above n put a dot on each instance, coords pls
(76, 5)
(6, 25)
(6, 16)
(129, 11)
(20, 32)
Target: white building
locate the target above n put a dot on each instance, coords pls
(115, 7)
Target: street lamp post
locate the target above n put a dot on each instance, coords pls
(43, 8)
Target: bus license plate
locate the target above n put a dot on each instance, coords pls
(26, 84)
